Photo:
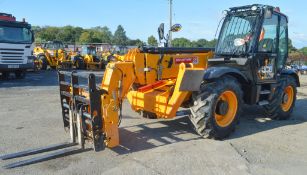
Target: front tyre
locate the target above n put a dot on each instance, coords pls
(216, 108)
(79, 63)
(20, 74)
(5, 75)
(42, 63)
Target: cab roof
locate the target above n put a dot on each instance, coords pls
(10, 21)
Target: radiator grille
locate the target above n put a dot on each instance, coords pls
(11, 56)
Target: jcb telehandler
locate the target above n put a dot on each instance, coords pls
(247, 67)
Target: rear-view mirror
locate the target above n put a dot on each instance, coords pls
(161, 31)
(268, 13)
(32, 36)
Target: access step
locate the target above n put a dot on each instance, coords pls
(262, 103)
(265, 92)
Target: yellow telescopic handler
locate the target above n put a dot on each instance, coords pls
(53, 54)
(247, 66)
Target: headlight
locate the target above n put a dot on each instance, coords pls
(254, 8)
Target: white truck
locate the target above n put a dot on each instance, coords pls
(16, 46)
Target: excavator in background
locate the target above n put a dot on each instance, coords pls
(247, 66)
(53, 54)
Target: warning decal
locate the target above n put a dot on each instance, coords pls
(193, 60)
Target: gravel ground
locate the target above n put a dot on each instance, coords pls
(30, 117)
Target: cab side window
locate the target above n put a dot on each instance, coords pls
(283, 42)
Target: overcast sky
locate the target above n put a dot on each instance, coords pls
(140, 18)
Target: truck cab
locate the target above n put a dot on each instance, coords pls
(16, 45)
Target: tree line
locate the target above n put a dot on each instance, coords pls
(71, 34)
(297, 54)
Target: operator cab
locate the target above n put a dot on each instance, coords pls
(89, 50)
(253, 37)
(54, 45)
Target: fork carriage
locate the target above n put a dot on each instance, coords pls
(81, 108)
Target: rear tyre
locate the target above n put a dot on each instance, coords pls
(217, 108)
(283, 100)
(103, 64)
(42, 63)
(53, 67)
(5, 75)
(20, 74)
(79, 63)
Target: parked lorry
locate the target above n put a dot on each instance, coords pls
(16, 46)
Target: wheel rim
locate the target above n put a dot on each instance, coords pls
(225, 118)
(288, 97)
(40, 64)
(77, 64)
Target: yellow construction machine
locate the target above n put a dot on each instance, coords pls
(50, 53)
(111, 56)
(53, 54)
(91, 59)
(247, 67)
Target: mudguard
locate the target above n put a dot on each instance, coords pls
(291, 73)
(217, 72)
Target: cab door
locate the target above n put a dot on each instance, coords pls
(267, 51)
